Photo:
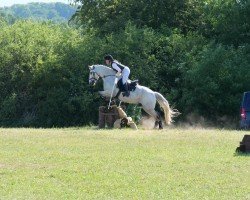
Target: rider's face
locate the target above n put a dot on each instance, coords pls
(107, 62)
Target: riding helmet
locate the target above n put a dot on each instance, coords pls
(108, 57)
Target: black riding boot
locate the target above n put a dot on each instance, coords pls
(126, 93)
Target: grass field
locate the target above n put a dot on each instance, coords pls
(84, 163)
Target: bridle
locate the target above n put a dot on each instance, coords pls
(93, 73)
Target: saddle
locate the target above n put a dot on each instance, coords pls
(131, 85)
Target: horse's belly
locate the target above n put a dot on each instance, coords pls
(129, 99)
(133, 98)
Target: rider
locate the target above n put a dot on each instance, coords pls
(120, 69)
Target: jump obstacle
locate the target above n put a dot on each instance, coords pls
(107, 116)
(114, 117)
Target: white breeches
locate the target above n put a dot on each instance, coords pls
(125, 74)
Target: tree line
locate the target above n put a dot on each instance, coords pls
(56, 12)
(195, 53)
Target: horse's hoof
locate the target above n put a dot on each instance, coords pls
(160, 125)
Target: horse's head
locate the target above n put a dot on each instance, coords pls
(99, 71)
(93, 76)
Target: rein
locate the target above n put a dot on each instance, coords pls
(103, 77)
(107, 75)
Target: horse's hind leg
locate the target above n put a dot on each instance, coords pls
(160, 124)
(156, 116)
(158, 121)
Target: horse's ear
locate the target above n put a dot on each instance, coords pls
(92, 67)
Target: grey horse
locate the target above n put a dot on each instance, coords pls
(141, 95)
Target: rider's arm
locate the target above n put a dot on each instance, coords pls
(115, 66)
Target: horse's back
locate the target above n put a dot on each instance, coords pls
(146, 89)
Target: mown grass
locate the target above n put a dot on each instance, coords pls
(82, 163)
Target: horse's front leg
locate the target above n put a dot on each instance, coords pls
(105, 94)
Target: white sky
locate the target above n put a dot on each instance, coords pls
(12, 2)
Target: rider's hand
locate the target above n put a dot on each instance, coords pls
(118, 74)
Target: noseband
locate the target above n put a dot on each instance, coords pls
(93, 76)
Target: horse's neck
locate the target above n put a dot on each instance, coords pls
(104, 71)
(109, 75)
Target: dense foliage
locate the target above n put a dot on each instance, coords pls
(197, 54)
(42, 83)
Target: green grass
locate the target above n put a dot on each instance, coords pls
(122, 164)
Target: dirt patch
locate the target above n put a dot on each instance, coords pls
(147, 122)
(2, 165)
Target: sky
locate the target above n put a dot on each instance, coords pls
(12, 2)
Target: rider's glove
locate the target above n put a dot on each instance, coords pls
(118, 74)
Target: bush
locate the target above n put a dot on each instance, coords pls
(214, 86)
(42, 76)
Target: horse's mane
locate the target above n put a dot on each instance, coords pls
(104, 67)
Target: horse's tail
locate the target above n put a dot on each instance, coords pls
(168, 112)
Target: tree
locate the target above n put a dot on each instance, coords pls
(214, 86)
(112, 15)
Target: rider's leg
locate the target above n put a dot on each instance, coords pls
(125, 75)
